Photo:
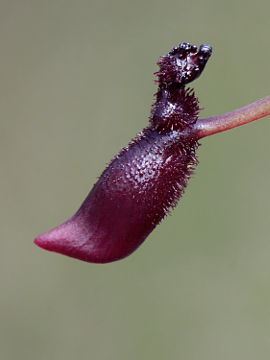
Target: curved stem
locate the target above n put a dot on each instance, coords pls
(230, 120)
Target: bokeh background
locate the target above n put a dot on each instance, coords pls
(76, 84)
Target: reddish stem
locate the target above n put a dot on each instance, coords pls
(230, 120)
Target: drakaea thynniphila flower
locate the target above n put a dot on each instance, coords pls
(146, 179)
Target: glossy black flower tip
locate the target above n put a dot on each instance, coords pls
(183, 64)
(183, 48)
(206, 49)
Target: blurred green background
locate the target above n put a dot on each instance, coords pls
(76, 85)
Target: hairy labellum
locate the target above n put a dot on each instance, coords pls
(147, 178)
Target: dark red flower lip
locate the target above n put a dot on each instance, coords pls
(146, 179)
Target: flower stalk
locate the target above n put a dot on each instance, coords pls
(230, 120)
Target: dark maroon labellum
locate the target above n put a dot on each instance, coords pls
(147, 178)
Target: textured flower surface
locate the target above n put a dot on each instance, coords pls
(147, 178)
